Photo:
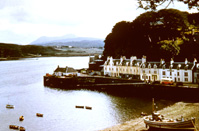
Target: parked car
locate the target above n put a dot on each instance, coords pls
(166, 81)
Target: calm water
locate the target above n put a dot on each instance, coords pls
(21, 84)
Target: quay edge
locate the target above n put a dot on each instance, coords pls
(123, 86)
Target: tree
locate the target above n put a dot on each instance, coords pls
(170, 48)
(153, 27)
(117, 40)
(151, 34)
(153, 4)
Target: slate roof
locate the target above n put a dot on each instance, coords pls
(166, 65)
(65, 70)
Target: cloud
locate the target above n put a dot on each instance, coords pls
(36, 18)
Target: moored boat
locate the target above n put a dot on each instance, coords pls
(169, 123)
(21, 128)
(39, 115)
(21, 118)
(159, 122)
(10, 106)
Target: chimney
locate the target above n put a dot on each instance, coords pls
(121, 59)
(108, 58)
(162, 61)
(172, 61)
(132, 59)
(194, 61)
(186, 61)
(143, 59)
(111, 60)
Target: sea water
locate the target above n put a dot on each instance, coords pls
(21, 84)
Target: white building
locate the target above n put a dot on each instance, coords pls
(150, 71)
(67, 71)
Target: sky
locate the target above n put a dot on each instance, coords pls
(24, 21)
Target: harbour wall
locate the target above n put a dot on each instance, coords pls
(124, 87)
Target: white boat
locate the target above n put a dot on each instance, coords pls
(162, 123)
(10, 106)
(158, 121)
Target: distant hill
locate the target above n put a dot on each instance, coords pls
(69, 40)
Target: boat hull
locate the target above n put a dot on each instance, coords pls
(188, 125)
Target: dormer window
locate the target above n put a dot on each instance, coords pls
(163, 67)
(179, 66)
(155, 66)
(186, 67)
(149, 66)
(171, 66)
(197, 65)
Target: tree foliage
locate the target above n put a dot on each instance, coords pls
(153, 4)
(157, 35)
(13, 50)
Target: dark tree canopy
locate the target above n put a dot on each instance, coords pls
(153, 4)
(163, 34)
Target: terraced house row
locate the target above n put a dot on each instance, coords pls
(134, 68)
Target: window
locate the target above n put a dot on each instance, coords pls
(105, 68)
(143, 71)
(116, 69)
(143, 77)
(149, 71)
(170, 73)
(178, 73)
(163, 73)
(155, 72)
(178, 79)
(186, 79)
(186, 74)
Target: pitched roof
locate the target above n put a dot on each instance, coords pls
(65, 70)
(166, 65)
(60, 69)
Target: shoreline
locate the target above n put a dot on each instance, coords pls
(18, 58)
(187, 110)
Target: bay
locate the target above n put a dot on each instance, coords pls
(21, 84)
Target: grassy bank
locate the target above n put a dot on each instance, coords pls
(187, 110)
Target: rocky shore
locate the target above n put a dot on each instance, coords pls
(187, 110)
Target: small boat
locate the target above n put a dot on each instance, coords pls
(13, 127)
(21, 128)
(79, 107)
(21, 118)
(159, 122)
(88, 107)
(39, 115)
(10, 106)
